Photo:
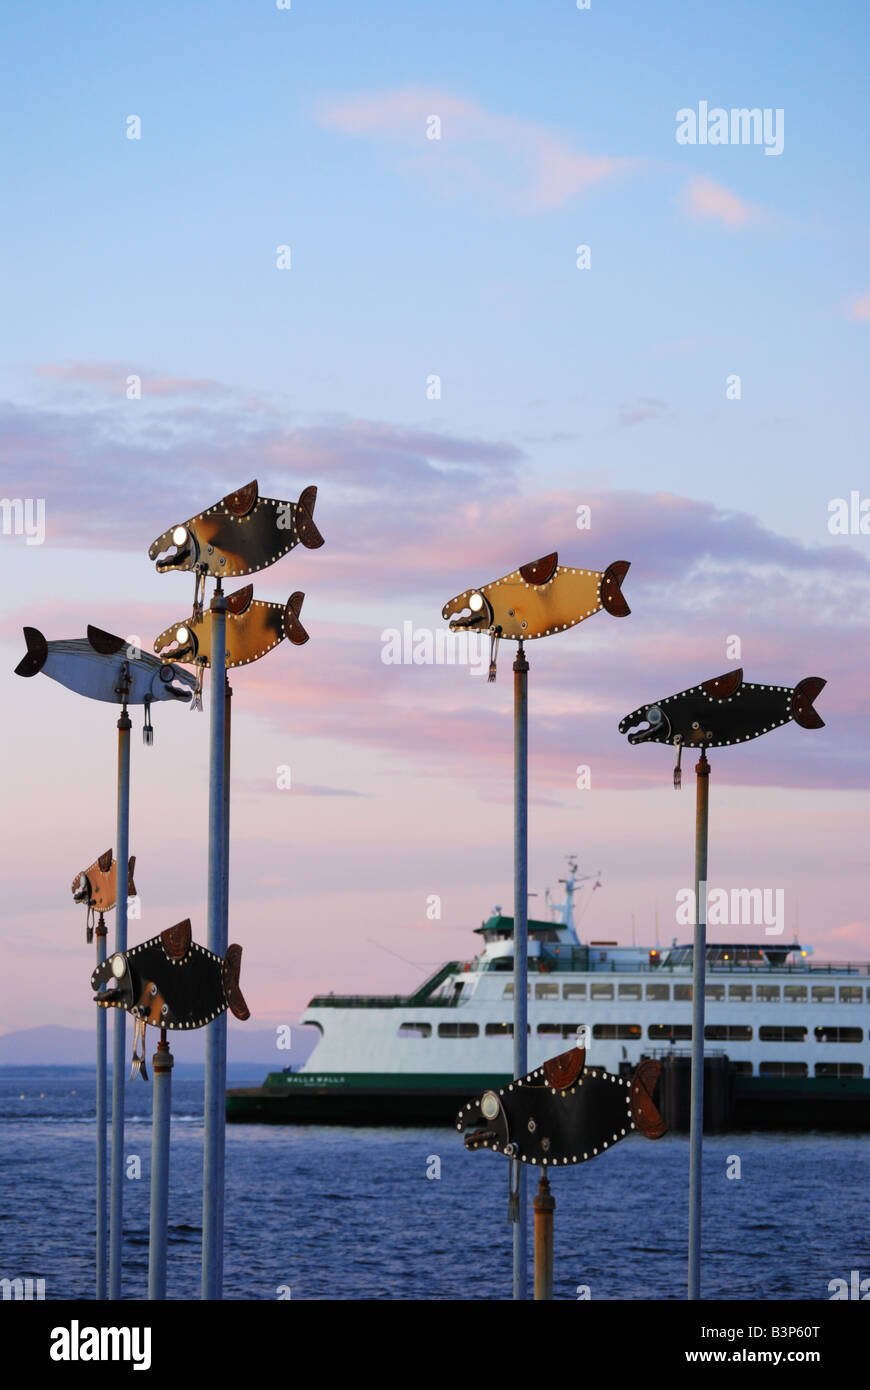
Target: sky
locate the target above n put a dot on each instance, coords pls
(460, 340)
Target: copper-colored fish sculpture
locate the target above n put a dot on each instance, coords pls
(538, 599)
(238, 535)
(97, 886)
(253, 628)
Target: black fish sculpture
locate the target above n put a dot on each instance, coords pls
(170, 982)
(723, 711)
(564, 1112)
(240, 534)
(253, 628)
(98, 886)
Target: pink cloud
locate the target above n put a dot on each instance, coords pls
(113, 375)
(531, 166)
(860, 308)
(702, 198)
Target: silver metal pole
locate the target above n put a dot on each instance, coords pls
(521, 933)
(699, 955)
(116, 1196)
(102, 1135)
(162, 1062)
(216, 1032)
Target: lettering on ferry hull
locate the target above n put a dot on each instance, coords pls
(564, 1112)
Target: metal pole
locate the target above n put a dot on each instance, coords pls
(161, 1113)
(216, 1032)
(699, 957)
(521, 933)
(544, 1204)
(102, 1136)
(116, 1196)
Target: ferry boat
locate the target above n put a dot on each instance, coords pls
(791, 1033)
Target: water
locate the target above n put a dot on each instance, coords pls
(334, 1213)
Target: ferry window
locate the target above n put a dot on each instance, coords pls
(742, 1068)
(414, 1030)
(547, 991)
(682, 991)
(499, 1030)
(740, 994)
(663, 1032)
(795, 994)
(823, 994)
(781, 1033)
(617, 1030)
(458, 1030)
(850, 994)
(570, 1030)
(767, 994)
(602, 992)
(658, 992)
(728, 1032)
(629, 991)
(550, 1029)
(573, 991)
(838, 1035)
(714, 991)
(509, 992)
(783, 1069)
(839, 1069)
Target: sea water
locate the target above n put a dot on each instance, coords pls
(329, 1212)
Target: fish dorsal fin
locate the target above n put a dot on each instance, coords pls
(105, 642)
(176, 940)
(105, 861)
(563, 1070)
(244, 500)
(723, 687)
(540, 571)
(240, 601)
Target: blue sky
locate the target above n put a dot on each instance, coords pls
(559, 386)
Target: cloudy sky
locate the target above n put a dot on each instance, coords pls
(435, 360)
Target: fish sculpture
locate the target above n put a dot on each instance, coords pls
(564, 1112)
(253, 628)
(536, 600)
(723, 711)
(170, 982)
(238, 535)
(97, 886)
(102, 667)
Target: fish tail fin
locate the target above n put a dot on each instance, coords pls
(612, 597)
(802, 698)
(293, 629)
(231, 970)
(307, 531)
(37, 651)
(131, 887)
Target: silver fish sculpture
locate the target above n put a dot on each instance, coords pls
(101, 667)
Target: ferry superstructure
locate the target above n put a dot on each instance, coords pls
(795, 1031)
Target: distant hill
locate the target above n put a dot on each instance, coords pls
(52, 1046)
